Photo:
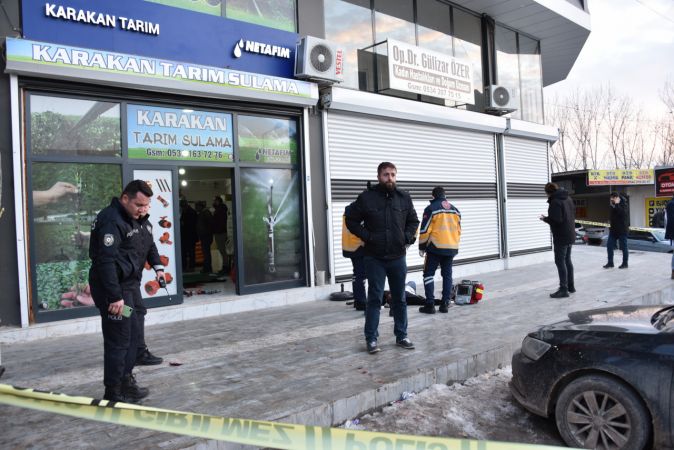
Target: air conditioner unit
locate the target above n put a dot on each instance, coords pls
(320, 60)
(500, 99)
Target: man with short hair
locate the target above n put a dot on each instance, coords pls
(620, 223)
(385, 220)
(439, 238)
(561, 218)
(120, 244)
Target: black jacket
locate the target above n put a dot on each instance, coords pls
(669, 210)
(561, 217)
(385, 221)
(620, 218)
(119, 246)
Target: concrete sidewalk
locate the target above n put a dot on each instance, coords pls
(307, 363)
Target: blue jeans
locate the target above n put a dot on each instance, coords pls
(564, 265)
(610, 246)
(431, 264)
(358, 280)
(377, 271)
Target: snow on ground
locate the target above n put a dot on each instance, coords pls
(479, 408)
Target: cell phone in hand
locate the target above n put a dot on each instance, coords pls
(127, 311)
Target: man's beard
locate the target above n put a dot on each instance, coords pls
(389, 185)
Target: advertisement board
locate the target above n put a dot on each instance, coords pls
(177, 31)
(267, 140)
(158, 133)
(619, 177)
(664, 181)
(421, 71)
(653, 206)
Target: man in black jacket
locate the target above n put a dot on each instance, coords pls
(385, 220)
(121, 242)
(620, 223)
(561, 218)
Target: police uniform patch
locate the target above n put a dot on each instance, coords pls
(108, 240)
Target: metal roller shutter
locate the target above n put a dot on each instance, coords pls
(526, 163)
(464, 162)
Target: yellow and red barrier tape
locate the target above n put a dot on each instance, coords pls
(606, 225)
(258, 433)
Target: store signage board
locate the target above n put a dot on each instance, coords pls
(619, 177)
(155, 30)
(426, 72)
(664, 181)
(651, 206)
(82, 64)
(157, 133)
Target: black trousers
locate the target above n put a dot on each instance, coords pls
(120, 339)
(564, 265)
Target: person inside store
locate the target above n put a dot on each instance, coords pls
(220, 230)
(121, 243)
(205, 234)
(384, 218)
(352, 248)
(188, 235)
(619, 225)
(439, 238)
(561, 218)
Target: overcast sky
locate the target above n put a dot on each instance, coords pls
(631, 45)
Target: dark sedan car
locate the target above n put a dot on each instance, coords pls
(605, 375)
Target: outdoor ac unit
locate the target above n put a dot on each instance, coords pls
(500, 99)
(317, 59)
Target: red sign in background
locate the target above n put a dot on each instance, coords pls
(664, 182)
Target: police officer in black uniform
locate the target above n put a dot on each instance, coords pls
(120, 244)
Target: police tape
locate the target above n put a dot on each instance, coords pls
(257, 433)
(607, 225)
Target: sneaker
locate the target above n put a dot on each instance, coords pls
(131, 390)
(427, 309)
(372, 347)
(608, 266)
(443, 309)
(560, 293)
(622, 266)
(115, 394)
(572, 289)
(145, 358)
(405, 343)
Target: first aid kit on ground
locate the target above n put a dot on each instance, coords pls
(468, 292)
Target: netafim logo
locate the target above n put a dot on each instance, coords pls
(261, 49)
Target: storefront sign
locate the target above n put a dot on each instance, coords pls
(179, 134)
(128, 70)
(619, 177)
(267, 140)
(261, 48)
(414, 69)
(175, 30)
(653, 206)
(664, 181)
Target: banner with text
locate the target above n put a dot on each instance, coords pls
(182, 134)
(618, 177)
(426, 72)
(664, 181)
(655, 207)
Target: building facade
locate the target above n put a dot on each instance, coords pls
(201, 99)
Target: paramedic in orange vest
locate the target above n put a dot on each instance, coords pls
(352, 248)
(439, 240)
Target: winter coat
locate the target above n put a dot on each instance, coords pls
(440, 230)
(220, 219)
(385, 220)
(119, 246)
(669, 231)
(620, 218)
(561, 217)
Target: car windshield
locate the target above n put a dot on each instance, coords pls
(662, 318)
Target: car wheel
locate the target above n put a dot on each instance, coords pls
(599, 412)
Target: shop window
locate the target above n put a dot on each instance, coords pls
(507, 66)
(433, 26)
(278, 14)
(65, 200)
(271, 225)
(531, 79)
(212, 7)
(468, 46)
(267, 140)
(67, 126)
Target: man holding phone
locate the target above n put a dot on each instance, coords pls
(121, 242)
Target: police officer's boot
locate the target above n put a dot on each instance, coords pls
(131, 390)
(115, 394)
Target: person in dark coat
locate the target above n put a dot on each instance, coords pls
(620, 223)
(384, 218)
(669, 226)
(120, 244)
(188, 235)
(205, 233)
(561, 218)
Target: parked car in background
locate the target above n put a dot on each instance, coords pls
(605, 375)
(580, 234)
(645, 239)
(594, 234)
